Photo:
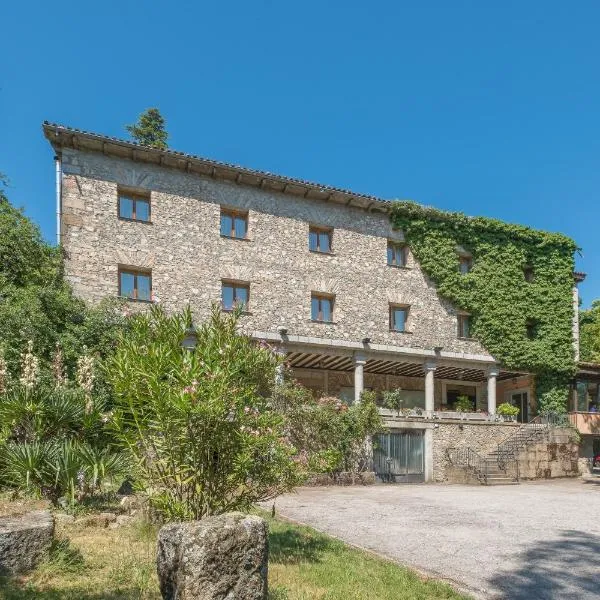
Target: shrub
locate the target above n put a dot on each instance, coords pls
(394, 400)
(198, 423)
(53, 436)
(329, 436)
(463, 404)
(507, 409)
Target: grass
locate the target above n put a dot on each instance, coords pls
(111, 564)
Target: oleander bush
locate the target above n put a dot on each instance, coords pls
(198, 423)
(329, 436)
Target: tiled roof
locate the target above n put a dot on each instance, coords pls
(60, 136)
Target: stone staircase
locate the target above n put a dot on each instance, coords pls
(501, 466)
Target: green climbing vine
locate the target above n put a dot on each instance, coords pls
(518, 291)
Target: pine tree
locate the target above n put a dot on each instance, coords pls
(150, 129)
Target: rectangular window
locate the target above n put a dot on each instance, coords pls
(531, 329)
(396, 254)
(134, 207)
(234, 295)
(135, 285)
(464, 326)
(319, 239)
(321, 308)
(234, 224)
(528, 274)
(465, 264)
(398, 317)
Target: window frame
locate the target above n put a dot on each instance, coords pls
(465, 259)
(460, 320)
(135, 271)
(404, 308)
(235, 284)
(320, 229)
(528, 273)
(234, 213)
(531, 329)
(403, 247)
(320, 297)
(135, 197)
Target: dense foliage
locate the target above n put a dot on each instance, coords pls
(53, 436)
(519, 290)
(150, 129)
(328, 435)
(589, 333)
(198, 423)
(36, 302)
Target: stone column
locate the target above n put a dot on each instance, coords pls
(491, 389)
(359, 376)
(281, 367)
(429, 386)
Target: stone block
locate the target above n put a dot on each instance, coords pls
(218, 558)
(24, 541)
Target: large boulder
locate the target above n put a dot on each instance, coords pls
(218, 558)
(25, 540)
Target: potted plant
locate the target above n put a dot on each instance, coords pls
(507, 411)
(463, 404)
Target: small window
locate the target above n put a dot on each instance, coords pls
(528, 273)
(465, 263)
(396, 254)
(398, 318)
(234, 295)
(321, 308)
(531, 328)
(135, 285)
(234, 224)
(319, 239)
(464, 326)
(134, 207)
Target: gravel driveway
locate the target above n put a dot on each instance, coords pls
(524, 542)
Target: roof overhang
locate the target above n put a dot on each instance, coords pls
(61, 137)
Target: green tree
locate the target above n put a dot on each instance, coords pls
(37, 303)
(589, 333)
(150, 129)
(198, 423)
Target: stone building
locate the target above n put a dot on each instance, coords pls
(320, 271)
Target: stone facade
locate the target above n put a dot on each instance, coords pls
(556, 457)
(481, 437)
(188, 257)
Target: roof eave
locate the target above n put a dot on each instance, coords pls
(61, 137)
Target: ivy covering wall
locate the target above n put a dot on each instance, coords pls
(525, 325)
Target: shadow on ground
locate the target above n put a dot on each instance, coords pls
(566, 567)
(288, 546)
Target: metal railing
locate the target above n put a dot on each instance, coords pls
(506, 455)
(528, 433)
(468, 458)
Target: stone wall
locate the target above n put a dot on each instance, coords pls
(188, 257)
(558, 457)
(481, 437)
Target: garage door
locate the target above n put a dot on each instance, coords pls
(399, 456)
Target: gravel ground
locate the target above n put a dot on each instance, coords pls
(537, 540)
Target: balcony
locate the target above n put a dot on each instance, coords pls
(587, 423)
(418, 414)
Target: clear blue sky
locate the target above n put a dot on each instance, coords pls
(490, 108)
